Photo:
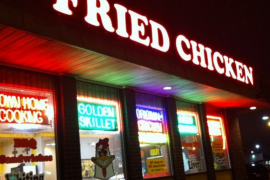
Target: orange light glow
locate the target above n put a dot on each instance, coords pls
(216, 128)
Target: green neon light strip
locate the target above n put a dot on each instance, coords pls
(94, 116)
(187, 124)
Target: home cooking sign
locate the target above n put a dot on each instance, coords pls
(158, 37)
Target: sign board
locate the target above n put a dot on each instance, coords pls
(140, 29)
(150, 125)
(97, 116)
(187, 123)
(23, 109)
(217, 147)
(157, 165)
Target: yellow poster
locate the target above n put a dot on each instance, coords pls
(217, 147)
(157, 165)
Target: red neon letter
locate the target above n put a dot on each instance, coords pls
(183, 55)
(217, 56)
(228, 65)
(62, 6)
(103, 10)
(248, 74)
(239, 71)
(121, 20)
(155, 37)
(197, 54)
(137, 29)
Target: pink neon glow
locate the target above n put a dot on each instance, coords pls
(103, 102)
(214, 126)
(62, 6)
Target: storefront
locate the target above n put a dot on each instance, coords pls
(82, 96)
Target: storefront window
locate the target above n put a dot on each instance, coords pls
(218, 142)
(153, 136)
(190, 132)
(100, 132)
(27, 146)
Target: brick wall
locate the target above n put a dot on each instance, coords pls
(133, 156)
(67, 130)
(235, 146)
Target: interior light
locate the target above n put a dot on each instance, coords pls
(167, 88)
(252, 152)
(253, 108)
(265, 117)
(269, 123)
(257, 146)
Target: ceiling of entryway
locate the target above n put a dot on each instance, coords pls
(26, 50)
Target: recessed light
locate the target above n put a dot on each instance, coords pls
(265, 118)
(167, 88)
(253, 108)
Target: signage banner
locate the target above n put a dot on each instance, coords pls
(187, 123)
(157, 165)
(150, 33)
(150, 125)
(97, 116)
(217, 147)
(23, 109)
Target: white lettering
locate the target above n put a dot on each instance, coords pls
(228, 65)
(121, 20)
(93, 11)
(179, 40)
(138, 23)
(217, 56)
(155, 37)
(62, 6)
(198, 53)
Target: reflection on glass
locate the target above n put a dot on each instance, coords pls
(27, 134)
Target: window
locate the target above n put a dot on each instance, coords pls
(218, 142)
(153, 136)
(100, 132)
(27, 146)
(190, 133)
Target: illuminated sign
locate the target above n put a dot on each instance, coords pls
(216, 128)
(155, 152)
(97, 115)
(23, 109)
(187, 123)
(98, 12)
(28, 144)
(150, 125)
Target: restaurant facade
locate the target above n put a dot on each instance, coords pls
(103, 89)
